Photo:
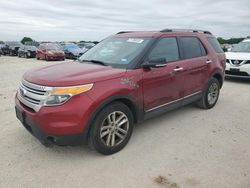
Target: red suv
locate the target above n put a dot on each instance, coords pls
(50, 51)
(125, 79)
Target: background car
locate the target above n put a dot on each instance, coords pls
(238, 60)
(86, 45)
(50, 51)
(1, 46)
(27, 51)
(11, 48)
(72, 51)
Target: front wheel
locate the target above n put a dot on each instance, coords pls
(210, 95)
(112, 129)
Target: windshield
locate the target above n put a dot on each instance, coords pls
(241, 47)
(52, 47)
(31, 48)
(71, 46)
(116, 52)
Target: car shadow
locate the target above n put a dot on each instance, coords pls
(145, 127)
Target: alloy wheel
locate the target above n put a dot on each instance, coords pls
(213, 93)
(114, 129)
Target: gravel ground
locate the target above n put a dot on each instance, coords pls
(188, 147)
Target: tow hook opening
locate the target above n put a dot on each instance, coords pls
(51, 140)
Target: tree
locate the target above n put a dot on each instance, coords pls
(230, 41)
(26, 39)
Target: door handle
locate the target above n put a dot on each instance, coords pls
(209, 61)
(178, 69)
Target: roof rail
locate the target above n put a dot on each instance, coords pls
(186, 30)
(121, 32)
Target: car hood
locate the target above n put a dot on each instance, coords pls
(237, 56)
(72, 73)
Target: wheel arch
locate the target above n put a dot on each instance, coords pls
(219, 77)
(123, 98)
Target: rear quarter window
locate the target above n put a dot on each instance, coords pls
(215, 44)
(191, 47)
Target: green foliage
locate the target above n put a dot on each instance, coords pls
(26, 39)
(230, 41)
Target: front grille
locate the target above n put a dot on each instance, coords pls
(32, 95)
(237, 63)
(236, 73)
(32, 90)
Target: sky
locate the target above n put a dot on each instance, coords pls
(74, 20)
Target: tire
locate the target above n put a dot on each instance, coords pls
(37, 57)
(107, 137)
(210, 95)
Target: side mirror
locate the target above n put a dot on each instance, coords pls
(155, 63)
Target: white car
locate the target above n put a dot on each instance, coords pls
(238, 60)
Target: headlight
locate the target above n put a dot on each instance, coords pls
(60, 95)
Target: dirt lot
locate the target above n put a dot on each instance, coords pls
(185, 148)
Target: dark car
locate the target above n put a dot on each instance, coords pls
(72, 51)
(11, 48)
(50, 51)
(27, 51)
(125, 79)
(1, 46)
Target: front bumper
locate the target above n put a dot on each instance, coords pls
(237, 71)
(31, 54)
(56, 57)
(47, 139)
(59, 125)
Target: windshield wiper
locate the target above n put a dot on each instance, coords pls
(95, 61)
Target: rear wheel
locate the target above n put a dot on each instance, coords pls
(112, 129)
(210, 95)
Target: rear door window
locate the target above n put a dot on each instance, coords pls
(191, 47)
(166, 48)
